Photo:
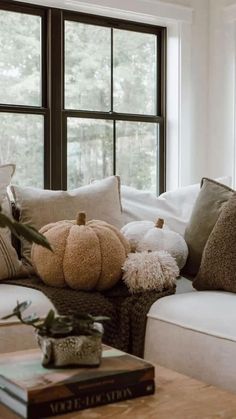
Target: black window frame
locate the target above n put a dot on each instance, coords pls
(53, 110)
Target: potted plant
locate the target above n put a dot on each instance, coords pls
(65, 340)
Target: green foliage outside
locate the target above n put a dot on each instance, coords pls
(87, 87)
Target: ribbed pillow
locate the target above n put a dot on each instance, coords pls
(208, 206)
(10, 265)
(218, 266)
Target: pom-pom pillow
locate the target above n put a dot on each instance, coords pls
(148, 271)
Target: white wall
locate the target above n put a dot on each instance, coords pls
(211, 147)
(221, 105)
(193, 151)
(193, 163)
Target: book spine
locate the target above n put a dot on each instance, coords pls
(93, 385)
(90, 399)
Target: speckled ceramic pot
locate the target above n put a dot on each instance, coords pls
(71, 350)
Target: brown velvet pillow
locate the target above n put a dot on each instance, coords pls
(210, 201)
(218, 266)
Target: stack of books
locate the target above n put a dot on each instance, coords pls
(35, 392)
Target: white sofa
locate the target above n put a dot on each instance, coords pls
(192, 332)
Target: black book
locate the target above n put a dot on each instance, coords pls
(75, 403)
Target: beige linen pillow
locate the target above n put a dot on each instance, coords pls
(218, 266)
(208, 206)
(10, 265)
(38, 207)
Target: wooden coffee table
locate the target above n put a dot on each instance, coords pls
(177, 397)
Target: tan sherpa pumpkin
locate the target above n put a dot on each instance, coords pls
(86, 255)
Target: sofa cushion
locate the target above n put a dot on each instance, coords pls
(184, 285)
(218, 266)
(174, 206)
(38, 207)
(194, 333)
(208, 206)
(199, 311)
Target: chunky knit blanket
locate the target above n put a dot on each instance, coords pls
(128, 312)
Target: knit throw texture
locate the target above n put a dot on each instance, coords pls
(128, 313)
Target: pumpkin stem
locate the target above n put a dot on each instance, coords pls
(81, 219)
(159, 223)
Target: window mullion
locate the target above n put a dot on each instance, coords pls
(112, 89)
(114, 147)
(113, 115)
(162, 159)
(44, 63)
(58, 160)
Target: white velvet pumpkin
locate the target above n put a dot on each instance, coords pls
(135, 231)
(149, 236)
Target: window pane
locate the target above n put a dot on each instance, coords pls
(87, 67)
(89, 150)
(137, 154)
(22, 143)
(134, 72)
(20, 59)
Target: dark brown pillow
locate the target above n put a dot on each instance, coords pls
(210, 201)
(218, 266)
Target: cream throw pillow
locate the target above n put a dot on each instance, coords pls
(38, 207)
(10, 265)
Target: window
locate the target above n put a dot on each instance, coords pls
(81, 97)
(22, 111)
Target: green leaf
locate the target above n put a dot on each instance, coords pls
(8, 316)
(49, 319)
(20, 307)
(62, 324)
(31, 319)
(95, 332)
(64, 320)
(38, 324)
(83, 316)
(101, 318)
(6, 222)
(31, 235)
(59, 329)
(24, 230)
